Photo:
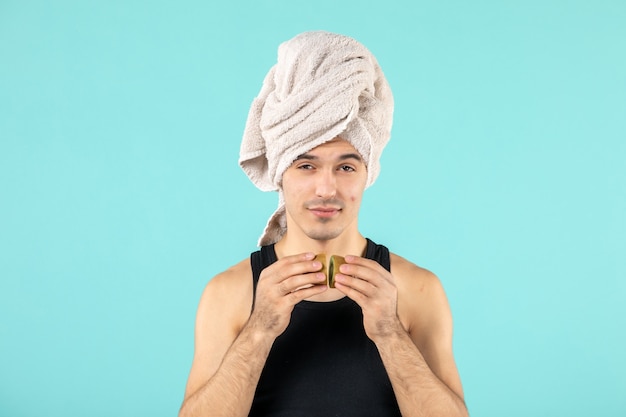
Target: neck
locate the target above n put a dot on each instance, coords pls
(345, 244)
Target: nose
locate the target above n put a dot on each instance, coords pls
(326, 184)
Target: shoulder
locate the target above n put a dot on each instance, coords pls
(228, 295)
(231, 279)
(422, 301)
(411, 277)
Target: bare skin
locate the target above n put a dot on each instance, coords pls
(405, 311)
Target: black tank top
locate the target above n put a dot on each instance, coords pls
(323, 364)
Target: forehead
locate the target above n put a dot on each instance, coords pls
(335, 148)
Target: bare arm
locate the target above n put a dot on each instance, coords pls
(415, 345)
(229, 356)
(230, 390)
(419, 390)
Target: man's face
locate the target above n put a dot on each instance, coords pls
(323, 190)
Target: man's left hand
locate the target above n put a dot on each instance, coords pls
(373, 288)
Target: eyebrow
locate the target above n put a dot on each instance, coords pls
(343, 157)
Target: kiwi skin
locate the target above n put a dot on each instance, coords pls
(334, 262)
(321, 258)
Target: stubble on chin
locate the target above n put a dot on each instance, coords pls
(323, 235)
(324, 230)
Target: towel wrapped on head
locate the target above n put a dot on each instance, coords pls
(324, 85)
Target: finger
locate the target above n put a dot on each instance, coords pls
(367, 269)
(368, 263)
(300, 257)
(357, 296)
(363, 273)
(297, 282)
(356, 284)
(303, 293)
(290, 266)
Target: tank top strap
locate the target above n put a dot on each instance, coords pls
(260, 260)
(378, 253)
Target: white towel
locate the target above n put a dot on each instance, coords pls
(323, 85)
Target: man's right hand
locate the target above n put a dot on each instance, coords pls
(281, 286)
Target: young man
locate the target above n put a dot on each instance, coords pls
(272, 338)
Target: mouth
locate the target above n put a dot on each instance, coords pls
(324, 212)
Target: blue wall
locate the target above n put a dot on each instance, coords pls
(120, 194)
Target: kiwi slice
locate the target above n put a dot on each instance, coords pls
(333, 267)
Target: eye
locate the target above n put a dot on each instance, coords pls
(347, 168)
(305, 166)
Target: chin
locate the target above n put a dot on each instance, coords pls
(323, 235)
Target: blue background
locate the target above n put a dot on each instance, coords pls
(120, 193)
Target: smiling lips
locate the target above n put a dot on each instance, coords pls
(324, 208)
(324, 212)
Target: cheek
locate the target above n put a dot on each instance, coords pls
(355, 196)
(289, 186)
